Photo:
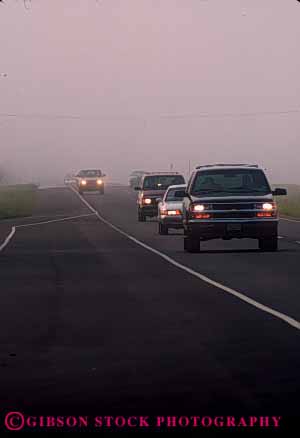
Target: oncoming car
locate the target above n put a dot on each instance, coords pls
(90, 180)
(230, 201)
(152, 188)
(170, 209)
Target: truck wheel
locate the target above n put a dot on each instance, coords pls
(269, 244)
(163, 229)
(191, 244)
(141, 216)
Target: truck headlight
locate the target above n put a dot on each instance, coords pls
(147, 201)
(83, 182)
(267, 206)
(99, 182)
(198, 208)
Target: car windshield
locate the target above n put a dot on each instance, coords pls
(171, 195)
(161, 182)
(89, 173)
(230, 181)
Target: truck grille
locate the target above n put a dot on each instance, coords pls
(240, 210)
(234, 215)
(234, 206)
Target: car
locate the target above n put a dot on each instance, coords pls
(90, 180)
(170, 209)
(135, 178)
(152, 189)
(69, 179)
(227, 201)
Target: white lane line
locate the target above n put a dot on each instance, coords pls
(289, 220)
(54, 220)
(291, 321)
(280, 237)
(8, 239)
(298, 241)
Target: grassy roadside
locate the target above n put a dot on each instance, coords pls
(289, 205)
(17, 201)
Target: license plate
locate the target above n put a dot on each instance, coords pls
(234, 227)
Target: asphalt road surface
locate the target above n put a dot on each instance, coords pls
(92, 321)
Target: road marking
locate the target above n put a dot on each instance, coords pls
(298, 241)
(54, 220)
(14, 228)
(51, 187)
(289, 220)
(280, 237)
(8, 239)
(291, 321)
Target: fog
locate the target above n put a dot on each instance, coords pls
(148, 84)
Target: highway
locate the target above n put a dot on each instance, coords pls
(101, 314)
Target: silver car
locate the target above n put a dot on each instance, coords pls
(170, 209)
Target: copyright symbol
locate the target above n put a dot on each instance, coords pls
(14, 421)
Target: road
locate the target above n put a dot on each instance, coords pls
(93, 321)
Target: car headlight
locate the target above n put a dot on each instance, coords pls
(147, 201)
(99, 182)
(83, 182)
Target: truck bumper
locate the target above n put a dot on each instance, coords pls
(171, 221)
(150, 211)
(254, 229)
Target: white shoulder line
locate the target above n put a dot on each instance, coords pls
(8, 239)
(287, 319)
(290, 220)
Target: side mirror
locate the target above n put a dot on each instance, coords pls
(279, 192)
(137, 188)
(158, 200)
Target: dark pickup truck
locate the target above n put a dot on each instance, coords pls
(152, 189)
(227, 201)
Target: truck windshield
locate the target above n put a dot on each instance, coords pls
(230, 181)
(90, 173)
(162, 182)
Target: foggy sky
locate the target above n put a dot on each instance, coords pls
(141, 74)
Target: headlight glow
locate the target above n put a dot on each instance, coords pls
(99, 182)
(83, 182)
(147, 201)
(198, 208)
(267, 206)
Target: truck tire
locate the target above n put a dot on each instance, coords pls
(268, 244)
(191, 244)
(163, 229)
(141, 216)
